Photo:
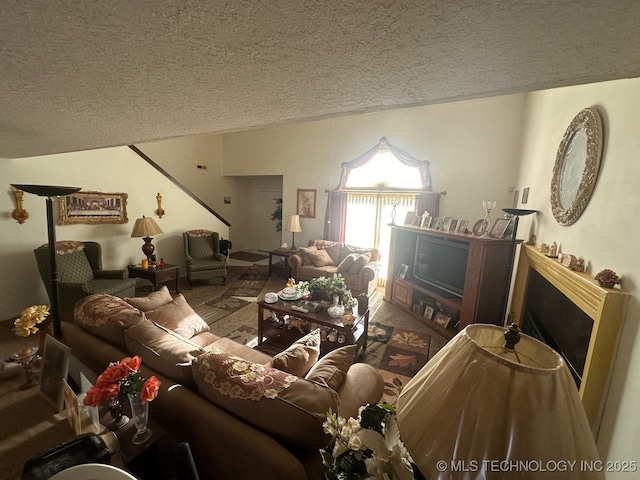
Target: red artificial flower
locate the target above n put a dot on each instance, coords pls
(132, 364)
(112, 374)
(150, 389)
(96, 395)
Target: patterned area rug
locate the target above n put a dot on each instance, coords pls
(242, 292)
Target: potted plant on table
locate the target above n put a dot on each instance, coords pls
(328, 288)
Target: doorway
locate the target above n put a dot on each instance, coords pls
(269, 238)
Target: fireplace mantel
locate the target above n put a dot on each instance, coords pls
(605, 306)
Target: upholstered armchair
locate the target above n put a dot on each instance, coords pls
(80, 273)
(202, 254)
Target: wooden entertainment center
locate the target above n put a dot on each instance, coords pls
(482, 296)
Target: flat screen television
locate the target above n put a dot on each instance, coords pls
(441, 263)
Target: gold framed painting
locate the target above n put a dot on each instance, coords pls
(92, 208)
(306, 203)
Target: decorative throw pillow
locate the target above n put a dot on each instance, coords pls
(106, 317)
(320, 258)
(163, 350)
(360, 262)
(306, 252)
(300, 356)
(179, 317)
(331, 370)
(288, 408)
(347, 263)
(334, 252)
(151, 301)
(372, 252)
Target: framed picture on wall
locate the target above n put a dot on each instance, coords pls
(92, 208)
(306, 204)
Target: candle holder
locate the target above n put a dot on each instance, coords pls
(488, 205)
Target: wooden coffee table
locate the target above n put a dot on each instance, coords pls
(271, 332)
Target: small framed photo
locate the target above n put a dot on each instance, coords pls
(446, 224)
(306, 205)
(402, 271)
(408, 220)
(462, 227)
(499, 227)
(454, 224)
(525, 195)
(442, 319)
(438, 224)
(55, 367)
(428, 312)
(424, 222)
(480, 227)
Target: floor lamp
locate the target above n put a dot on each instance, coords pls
(51, 191)
(517, 213)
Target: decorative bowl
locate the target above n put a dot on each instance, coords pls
(336, 311)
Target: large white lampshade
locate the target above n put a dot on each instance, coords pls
(293, 226)
(146, 228)
(479, 410)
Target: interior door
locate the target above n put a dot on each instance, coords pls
(269, 238)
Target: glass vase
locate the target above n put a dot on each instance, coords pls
(119, 420)
(140, 414)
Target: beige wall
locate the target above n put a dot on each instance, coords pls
(605, 236)
(473, 147)
(111, 170)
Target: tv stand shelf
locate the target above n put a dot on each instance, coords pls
(482, 299)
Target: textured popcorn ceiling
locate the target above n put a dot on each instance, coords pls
(76, 75)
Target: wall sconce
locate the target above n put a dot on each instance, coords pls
(20, 214)
(159, 211)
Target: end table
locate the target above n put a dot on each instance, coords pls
(277, 268)
(157, 275)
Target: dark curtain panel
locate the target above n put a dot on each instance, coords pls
(429, 201)
(335, 216)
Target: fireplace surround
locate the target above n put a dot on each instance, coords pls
(606, 307)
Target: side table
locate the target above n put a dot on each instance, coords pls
(157, 275)
(277, 268)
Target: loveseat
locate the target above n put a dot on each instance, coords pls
(242, 414)
(323, 258)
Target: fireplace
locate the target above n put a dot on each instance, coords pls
(576, 317)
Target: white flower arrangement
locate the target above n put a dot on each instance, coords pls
(368, 447)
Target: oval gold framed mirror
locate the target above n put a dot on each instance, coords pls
(577, 166)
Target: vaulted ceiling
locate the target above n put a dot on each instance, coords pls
(97, 73)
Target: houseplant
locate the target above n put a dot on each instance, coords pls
(326, 288)
(368, 447)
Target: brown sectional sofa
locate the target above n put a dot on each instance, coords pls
(323, 258)
(231, 435)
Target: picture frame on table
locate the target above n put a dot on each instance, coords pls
(480, 227)
(446, 224)
(408, 220)
(443, 319)
(462, 226)
(428, 312)
(402, 271)
(306, 203)
(499, 227)
(55, 368)
(92, 208)
(453, 225)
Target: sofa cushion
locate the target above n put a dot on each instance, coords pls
(75, 268)
(106, 317)
(331, 370)
(200, 247)
(284, 406)
(163, 350)
(151, 301)
(306, 254)
(360, 261)
(178, 316)
(373, 252)
(240, 350)
(346, 263)
(335, 251)
(300, 356)
(320, 258)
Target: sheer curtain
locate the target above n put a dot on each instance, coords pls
(367, 221)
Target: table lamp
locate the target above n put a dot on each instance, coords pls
(146, 228)
(493, 409)
(293, 226)
(51, 191)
